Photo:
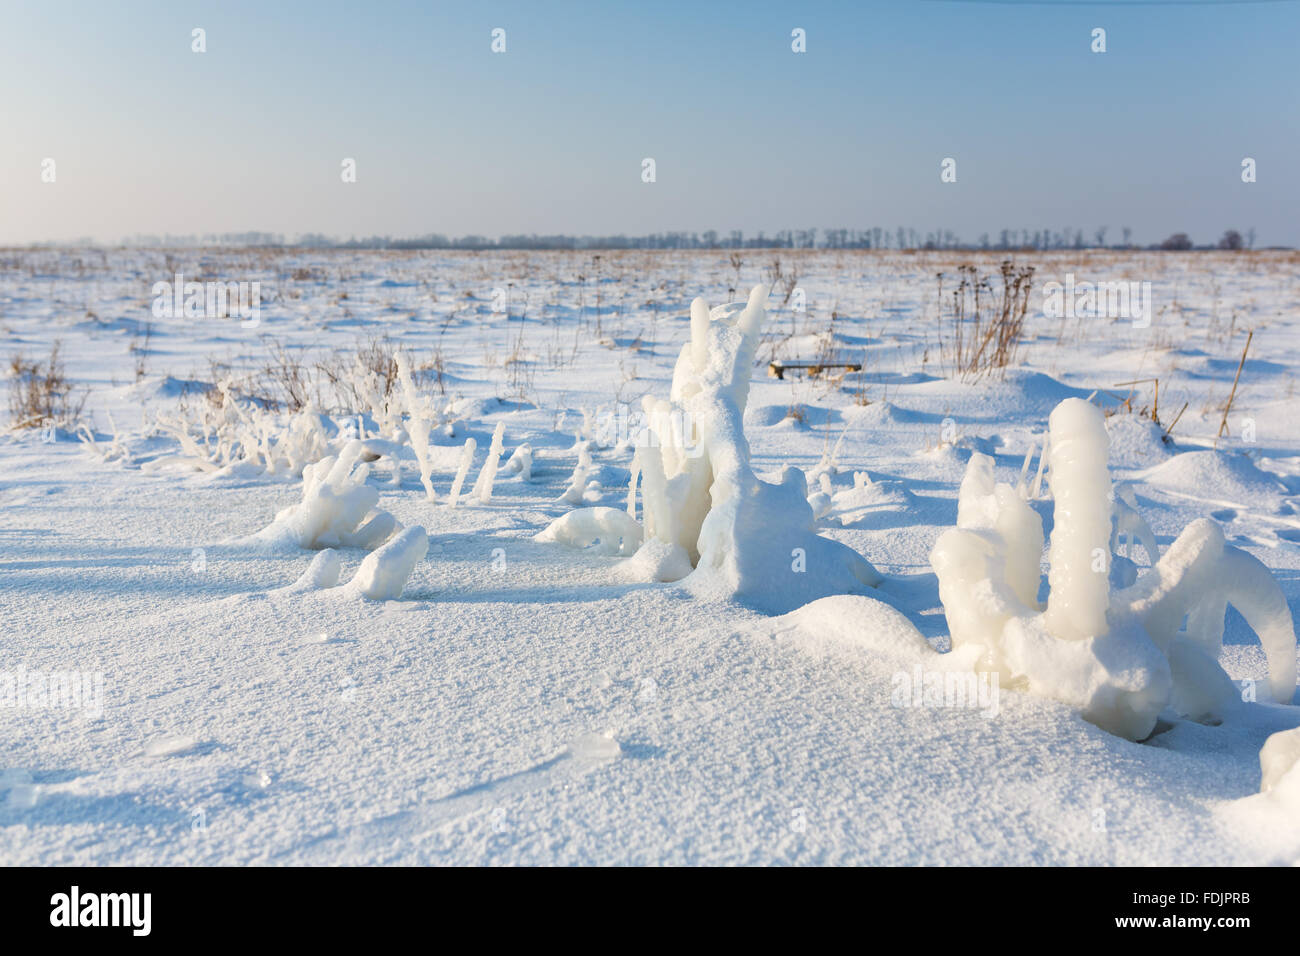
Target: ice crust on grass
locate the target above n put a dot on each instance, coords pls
(238, 437)
(1118, 654)
(703, 507)
(583, 474)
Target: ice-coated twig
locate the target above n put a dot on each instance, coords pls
(462, 470)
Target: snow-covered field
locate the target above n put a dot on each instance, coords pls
(526, 701)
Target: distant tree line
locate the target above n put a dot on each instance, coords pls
(876, 237)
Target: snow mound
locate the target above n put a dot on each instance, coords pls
(165, 386)
(1215, 475)
(1135, 442)
(1117, 654)
(880, 415)
(657, 560)
(853, 506)
(766, 416)
(854, 623)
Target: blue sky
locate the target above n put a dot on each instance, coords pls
(149, 137)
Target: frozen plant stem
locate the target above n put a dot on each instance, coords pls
(466, 459)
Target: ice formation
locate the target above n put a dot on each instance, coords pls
(462, 470)
(521, 462)
(702, 505)
(611, 531)
(419, 424)
(323, 572)
(335, 500)
(235, 437)
(1277, 759)
(1118, 654)
(583, 472)
(384, 573)
(487, 476)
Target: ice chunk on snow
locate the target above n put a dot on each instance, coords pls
(613, 531)
(1118, 655)
(384, 573)
(594, 747)
(169, 745)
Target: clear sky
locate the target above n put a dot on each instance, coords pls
(548, 137)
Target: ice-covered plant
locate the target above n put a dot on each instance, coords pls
(235, 434)
(462, 471)
(1121, 655)
(487, 476)
(335, 501)
(419, 423)
(704, 511)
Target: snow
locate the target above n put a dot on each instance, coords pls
(508, 700)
